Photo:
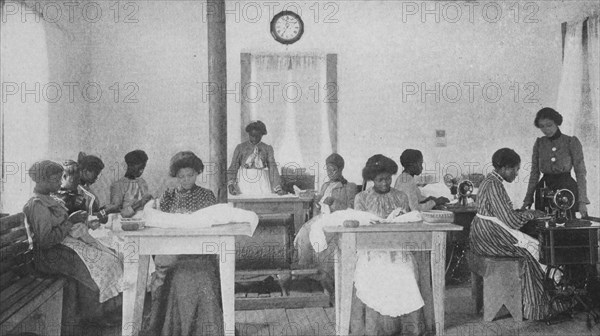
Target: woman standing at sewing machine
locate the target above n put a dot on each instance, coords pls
(554, 155)
(495, 232)
(253, 168)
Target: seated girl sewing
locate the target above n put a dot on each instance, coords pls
(412, 161)
(62, 245)
(495, 232)
(336, 194)
(387, 298)
(130, 193)
(186, 294)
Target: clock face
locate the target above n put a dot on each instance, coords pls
(287, 27)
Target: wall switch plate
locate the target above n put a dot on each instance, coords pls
(440, 138)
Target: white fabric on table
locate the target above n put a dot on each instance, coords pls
(205, 218)
(436, 190)
(317, 235)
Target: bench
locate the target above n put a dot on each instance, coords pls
(28, 303)
(496, 282)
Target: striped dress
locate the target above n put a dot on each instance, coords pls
(489, 239)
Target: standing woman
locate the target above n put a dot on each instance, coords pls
(554, 155)
(253, 168)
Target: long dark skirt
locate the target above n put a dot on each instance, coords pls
(554, 182)
(189, 301)
(84, 300)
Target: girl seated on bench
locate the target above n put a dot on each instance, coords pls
(62, 245)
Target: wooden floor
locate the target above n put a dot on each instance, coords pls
(289, 322)
(460, 321)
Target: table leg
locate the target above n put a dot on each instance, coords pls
(135, 276)
(338, 287)
(348, 265)
(298, 217)
(227, 276)
(438, 260)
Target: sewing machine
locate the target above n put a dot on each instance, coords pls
(461, 190)
(570, 245)
(465, 190)
(557, 205)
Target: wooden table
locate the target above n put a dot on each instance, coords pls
(140, 245)
(388, 237)
(457, 243)
(295, 206)
(569, 245)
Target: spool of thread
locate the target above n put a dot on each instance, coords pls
(350, 223)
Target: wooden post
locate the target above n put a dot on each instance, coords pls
(217, 101)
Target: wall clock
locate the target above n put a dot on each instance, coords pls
(287, 27)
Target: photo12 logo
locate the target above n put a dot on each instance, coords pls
(53, 92)
(469, 11)
(289, 92)
(71, 11)
(453, 92)
(263, 11)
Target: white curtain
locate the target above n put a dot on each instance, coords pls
(591, 117)
(24, 108)
(569, 93)
(578, 98)
(288, 93)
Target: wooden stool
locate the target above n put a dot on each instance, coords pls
(499, 280)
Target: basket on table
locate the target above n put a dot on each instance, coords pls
(132, 224)
(437, 216)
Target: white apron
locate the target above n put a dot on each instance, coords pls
(252, 181)
(387, 282)
(104, 265)
(529, 243)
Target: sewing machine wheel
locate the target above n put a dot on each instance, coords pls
(563, 199)
(465, 188)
